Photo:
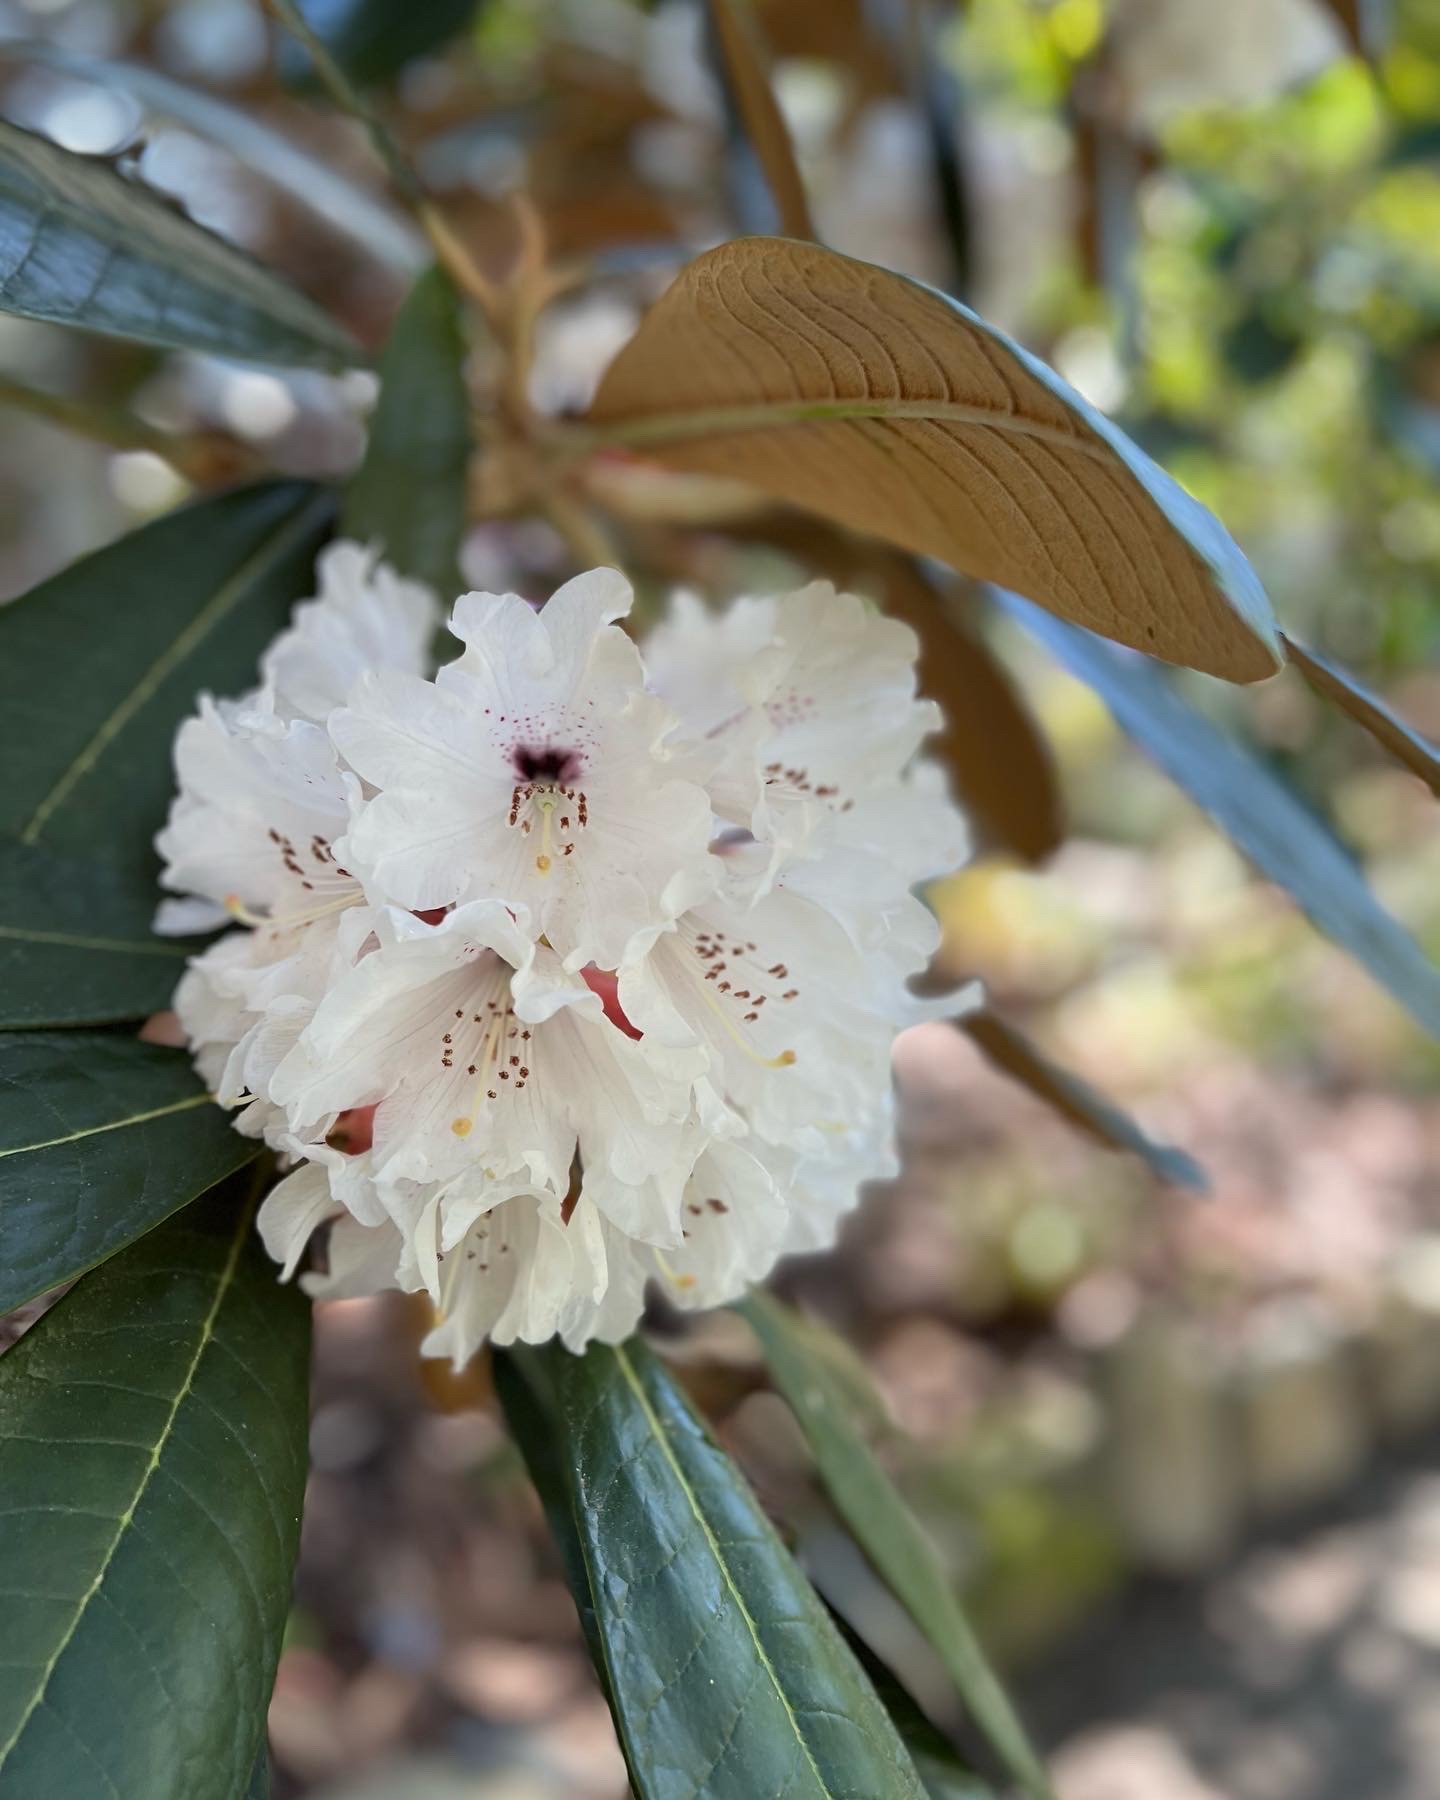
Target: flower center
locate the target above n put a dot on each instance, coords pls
(494, 1064)
(559, 811)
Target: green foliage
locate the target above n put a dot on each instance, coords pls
(726, 1675)
(153, 1435)
(408, 496)
(76, 945)
(83, 246)
(885, 1528)
(101, 1137)
(99, 665)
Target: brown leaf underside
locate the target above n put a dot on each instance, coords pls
(987, 469)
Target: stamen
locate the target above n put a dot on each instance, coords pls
(677, 1280)
(782, 1061)
(237, 909)
(465, 1124)
(547, 804)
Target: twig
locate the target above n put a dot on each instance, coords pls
(203, 458)
(746, 66)
(447, 246)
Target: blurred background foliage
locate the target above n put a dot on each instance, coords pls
(1123, 1410)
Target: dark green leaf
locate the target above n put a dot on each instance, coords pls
(75, 943)
(259, 1786)
(372, 40)
(887, 1531)
(1251, 805)
(526, 1399)
(1342, 689)
(938, 1763)
(1076, 1100)
(82, 246)
(99, 664)
(409, 493)
(153, 1432)
(101, 1137)
(727, 1677)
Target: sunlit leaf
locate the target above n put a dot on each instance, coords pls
(1338, 685)
(99, 664)
(1074, 1099)
(409, 493)
(726, 1675)
(863, 396)
(1254, 808)
(80, 245)
(153, 1437)
(101, 1137)
(887, 1530)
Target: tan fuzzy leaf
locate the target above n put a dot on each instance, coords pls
(872, 400)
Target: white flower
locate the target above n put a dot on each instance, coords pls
(490, 1070)
(535, 768)
(364, 617)
(567, 973)
(807, 704)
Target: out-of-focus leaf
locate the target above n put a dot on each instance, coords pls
(727, 1677)
(372, 40)
(153, 1434)
(526, 1399)
(1002, 766)
(101, 1137)
(937, 1762)
(888, 1532)
(76, 946)
(99, 664)
(80, 245)
(747, 73)
(1252, 806)
(1367, 24)
(345, 206)
(409, 493)
(1339, 686)
(1075, 1099)
(858, 394)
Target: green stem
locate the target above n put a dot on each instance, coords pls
(349, 99)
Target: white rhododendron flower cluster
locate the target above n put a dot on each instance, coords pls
(564, 969)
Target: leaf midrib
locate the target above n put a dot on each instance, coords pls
(274, 548)
(156, 1112)
(128, 946)
(692, 1500)
(122, 1525)
(664, 428)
